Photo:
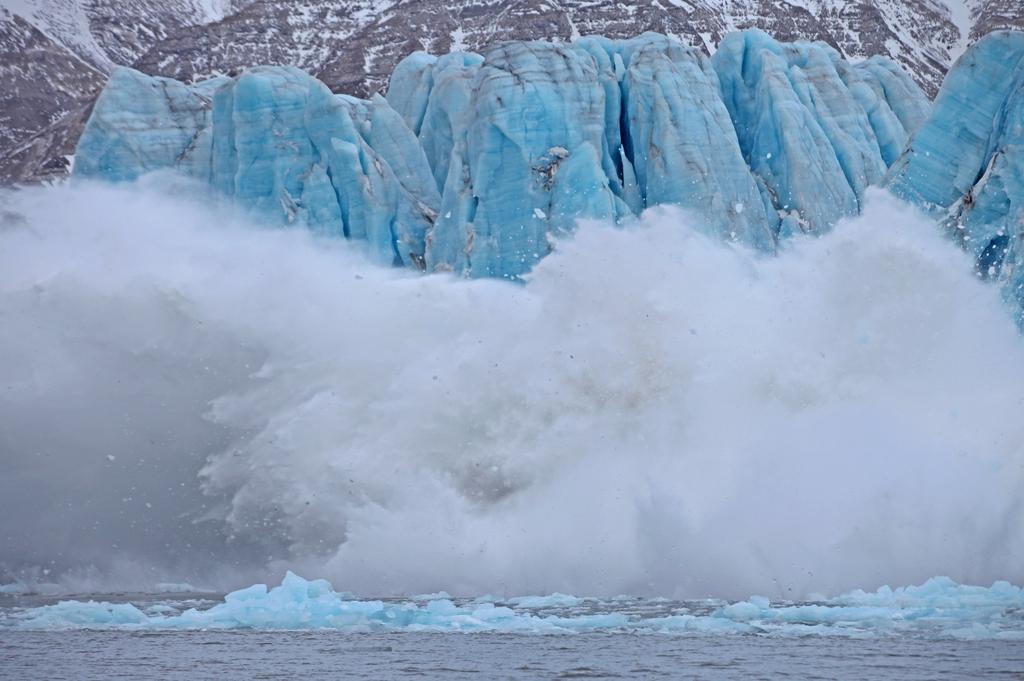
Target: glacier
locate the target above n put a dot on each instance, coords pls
(476, 164)
(277, 141)
(966, 163)
(810, 124)
(938, 609)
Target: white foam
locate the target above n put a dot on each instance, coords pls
(653, 413)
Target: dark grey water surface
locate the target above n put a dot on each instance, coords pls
(331, 655)
(88, 654)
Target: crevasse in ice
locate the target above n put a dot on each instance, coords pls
(475, 163)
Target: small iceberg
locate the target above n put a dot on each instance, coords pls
(939, 608)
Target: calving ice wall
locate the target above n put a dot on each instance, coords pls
(966, 165)
(278, 141)
(625, 422)
(475, 163)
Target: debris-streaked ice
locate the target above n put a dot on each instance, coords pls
(939, 608)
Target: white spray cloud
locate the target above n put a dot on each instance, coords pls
(652, 413)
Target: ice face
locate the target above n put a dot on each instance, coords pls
(516, 136)
(476, 163)
(814, 129)
(280, 143)
(939, 608)
(141, 124)
(966, 163)
(682, 144)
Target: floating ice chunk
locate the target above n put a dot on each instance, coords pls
(694, 624)
(175, 587)
(432, 597)
(302, 604)
(46, 588)
(939, 592)
(91, 614)
(555, 600)
(939, 608)
(744, 611)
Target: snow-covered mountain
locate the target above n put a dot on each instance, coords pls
(43, 81)
(353, 45)
(111, 32)
(56, 57)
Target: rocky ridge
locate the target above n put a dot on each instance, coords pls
(354, 46)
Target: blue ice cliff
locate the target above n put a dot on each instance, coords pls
(815, 130)
(475, 163)
(966, 163)
(278, 141)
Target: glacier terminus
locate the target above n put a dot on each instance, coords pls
(477, 163)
